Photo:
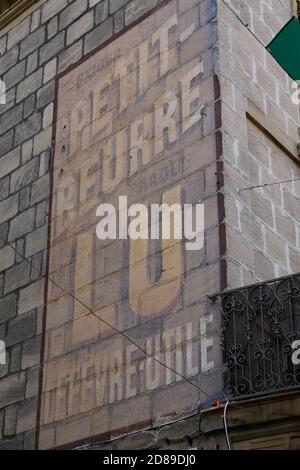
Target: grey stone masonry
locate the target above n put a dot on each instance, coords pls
(98, 36)
(52, 48)
(22, 224)
(28, 128)
(15, 74)
(24, 175)
(10, 162)
(48, 39)
(136, 9)
(8, 307)
(102, 12)
(72, 12)
(12, 117)
(6, 142)
(29, 85)
(12, 389)
(8, 60)
(84, 24)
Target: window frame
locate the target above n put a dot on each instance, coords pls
(296, 8)
(14, 11)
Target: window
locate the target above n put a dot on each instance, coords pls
(11, 9)
(6, 4)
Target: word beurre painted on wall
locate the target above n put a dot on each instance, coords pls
(135, 119)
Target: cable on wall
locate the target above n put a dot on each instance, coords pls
(128, 338)
(264, 185)
(225, 425)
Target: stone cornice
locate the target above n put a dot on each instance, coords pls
(14, 11)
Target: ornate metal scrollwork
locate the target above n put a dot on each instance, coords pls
(258, 327)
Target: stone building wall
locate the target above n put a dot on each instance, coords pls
(44, 42)
(262, 224)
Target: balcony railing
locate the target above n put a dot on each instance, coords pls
(260, 324)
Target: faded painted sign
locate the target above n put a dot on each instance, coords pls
(136, 119)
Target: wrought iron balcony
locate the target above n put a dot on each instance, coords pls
(259, 325)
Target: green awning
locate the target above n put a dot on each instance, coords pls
(285, 48)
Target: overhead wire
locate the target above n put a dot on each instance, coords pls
(264, 185)
(127, 337)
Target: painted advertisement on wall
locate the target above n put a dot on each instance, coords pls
(127, 318)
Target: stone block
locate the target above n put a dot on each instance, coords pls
(52, 8)
(18, 33)
(21, 328)
(52, 48)
(12, 389)
(70, 55)
(28, 128)
(7, 258)
(45, 95)
(32, 63)
(8, 307)
(132, 412)
(40, 189)
(22, 224)
(6, 143)
(24, 198)
(29, 105)
(15, 75)
(27, 415)
(32, 383)
(50, 70)
(10, 421)
(12, 117)
(10, 162)
(115, 5)
(12, 444)
(48, 117)
(9, 208)
(4, 188)
(35, 19)
(16, 277)
(98, 36)
(27, 150)
(135, 9)
(101, 13)
(42, 141)
(31, 353)
(31, 297)
(72, 430)
(24, 175)
(71, 13)
(3, 234)
(275, 248)
(15, 358)
(9, 59)
(32, 42)
(80, 27)
(41, 213)
(118, 21)
(52, 27)
(29, 85)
